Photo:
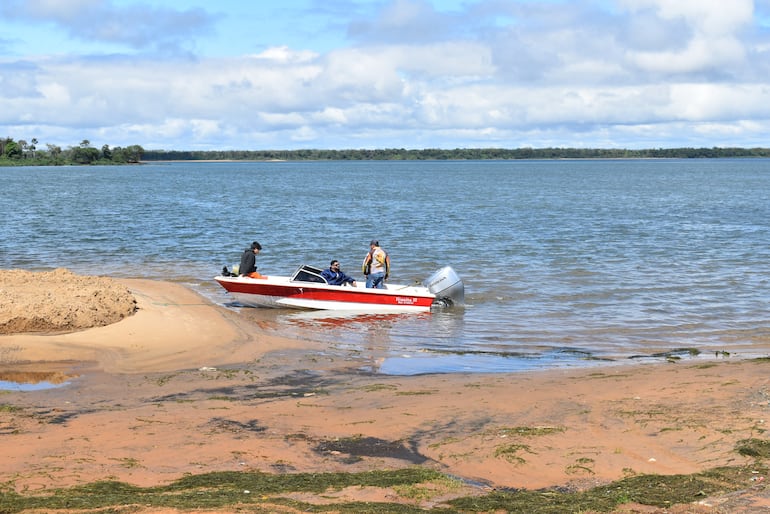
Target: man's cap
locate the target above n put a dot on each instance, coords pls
(374, 242)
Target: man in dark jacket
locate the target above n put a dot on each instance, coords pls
(335, 277)
(249, 259)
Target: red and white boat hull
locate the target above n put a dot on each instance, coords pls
(308, 289)
(282, 292)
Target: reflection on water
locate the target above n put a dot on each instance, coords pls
(411, 343)
(6, 385)
(372, 338)
(488, 363)
(28, 380)
(340, 328)
(473, 363)
(427, 342)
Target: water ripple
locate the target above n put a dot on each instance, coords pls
(560, 259)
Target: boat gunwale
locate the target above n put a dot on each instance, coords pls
(285, 281)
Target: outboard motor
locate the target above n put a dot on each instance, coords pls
(447, 286)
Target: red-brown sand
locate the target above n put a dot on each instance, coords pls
(183, 386)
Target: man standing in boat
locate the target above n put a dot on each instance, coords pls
(248, 265)
(335, 276)
(376, 266)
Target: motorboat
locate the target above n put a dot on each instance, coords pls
(307, 289)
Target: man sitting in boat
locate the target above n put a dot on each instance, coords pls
(248, 267)
(335, 277)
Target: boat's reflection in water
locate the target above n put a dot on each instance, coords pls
(378, 343)
(413, 343)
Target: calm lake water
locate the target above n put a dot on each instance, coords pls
(564, 262)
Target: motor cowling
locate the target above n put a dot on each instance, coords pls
(447, 286)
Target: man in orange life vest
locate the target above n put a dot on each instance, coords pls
(376, 266)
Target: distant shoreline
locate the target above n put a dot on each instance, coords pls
(459, 154)
(395, 154)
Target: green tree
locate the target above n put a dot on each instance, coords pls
(54, 150)
(12, 149)
(134, 153)
(84, 155)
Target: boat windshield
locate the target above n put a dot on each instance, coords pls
(307, 273)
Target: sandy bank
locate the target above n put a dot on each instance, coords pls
(183, 386)
(138, 325)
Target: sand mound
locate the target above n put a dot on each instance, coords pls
(60, 301)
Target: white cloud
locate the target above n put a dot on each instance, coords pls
(101, 21)
(561, 74)
(714, 17)
(285, 55)
(720, 102)
(699, 54)
(452, 61)
(715, 29)
(403, 21)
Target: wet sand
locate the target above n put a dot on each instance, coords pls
(184, 386)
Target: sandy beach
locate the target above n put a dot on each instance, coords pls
(181, 386)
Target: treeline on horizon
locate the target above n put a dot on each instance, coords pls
(23, 153)
(400, 154)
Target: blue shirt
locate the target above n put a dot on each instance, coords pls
(336, 278)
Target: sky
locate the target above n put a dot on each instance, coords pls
(354, 74)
